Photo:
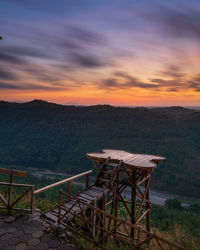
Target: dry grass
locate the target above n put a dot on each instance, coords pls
(178, 236)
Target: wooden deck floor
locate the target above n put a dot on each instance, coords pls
(89, 195)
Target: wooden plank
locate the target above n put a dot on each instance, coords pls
(93, 194)
(112, 164)
(103, 180)
(84, 196)
(83, 199)
(51, 216)
(97, 189)
(72, 205)
(18, 173)
(71, 212)
(129, 159)
(73, 209)
(15, 184)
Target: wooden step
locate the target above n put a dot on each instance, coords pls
(112, 164)
(98, 189)
(103, 180)
(73, 207)
(51, 217)
(107, 171)
(86, 196)
(94, 194)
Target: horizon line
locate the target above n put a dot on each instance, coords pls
(102, 104)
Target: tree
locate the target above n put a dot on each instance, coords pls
(173, 203)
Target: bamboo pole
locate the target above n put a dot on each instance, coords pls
(147, 182)
(133, 204)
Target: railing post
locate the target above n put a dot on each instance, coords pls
(60, 204)
(87, 180)
(69, 187)
(32, 200)
(10, 192)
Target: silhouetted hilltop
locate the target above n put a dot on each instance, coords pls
(48, 135)
(175, 110)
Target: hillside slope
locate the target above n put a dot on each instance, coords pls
(46, 135)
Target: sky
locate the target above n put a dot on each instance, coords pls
(124, 53)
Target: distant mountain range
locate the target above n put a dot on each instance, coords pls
(48, 135)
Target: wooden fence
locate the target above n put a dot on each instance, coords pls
(28, 195)
(10, 202)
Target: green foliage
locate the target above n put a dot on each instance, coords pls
(195, 207)
(58, 137)
(166, 219)
(173, 203)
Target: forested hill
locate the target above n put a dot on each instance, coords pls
(46, 135)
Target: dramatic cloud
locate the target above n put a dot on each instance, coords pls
(122, 80)
(6, 75)
(137, 47)
(87, 61)
(125, 81)
(8, 58)
(179, 22)
(25, 51)
(174, 71)
(195, 83)
(29, 86)
(86, 36)
(8, 86)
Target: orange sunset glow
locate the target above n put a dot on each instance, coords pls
(124, 54)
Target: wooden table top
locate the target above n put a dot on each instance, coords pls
(130, 160)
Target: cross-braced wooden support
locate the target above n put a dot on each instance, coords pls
(7, 201)
(140, 201)
(137, 180)
(138, 208)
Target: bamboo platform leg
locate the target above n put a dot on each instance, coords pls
(133, 203)
(93, 218)
(103, 207)
(147, 205)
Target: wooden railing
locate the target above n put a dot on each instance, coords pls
(10, 203)
(68, 181)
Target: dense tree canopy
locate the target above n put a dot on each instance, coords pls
(46, 135)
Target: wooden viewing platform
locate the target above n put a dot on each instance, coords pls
(94, 212)
(130, 160)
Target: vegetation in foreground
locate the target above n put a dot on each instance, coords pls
(171, 221)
